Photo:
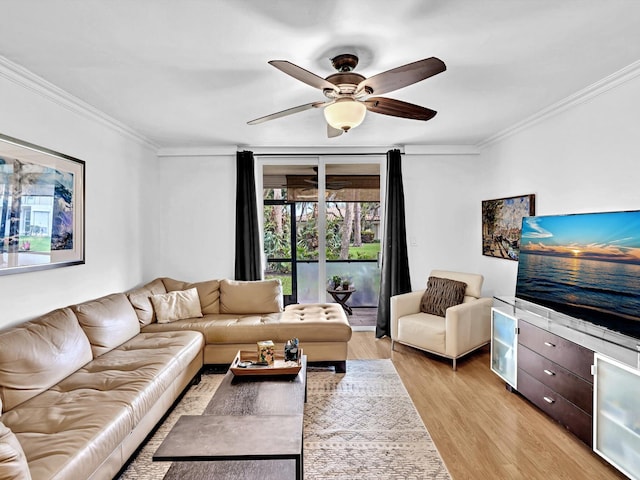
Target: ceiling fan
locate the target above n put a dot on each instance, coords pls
(349, 93)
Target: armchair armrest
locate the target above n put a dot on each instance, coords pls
(468, 326)
(401, 305)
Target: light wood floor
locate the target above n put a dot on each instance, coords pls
(481, 430)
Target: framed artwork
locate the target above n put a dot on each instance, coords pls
(502, 224)
(41, 208)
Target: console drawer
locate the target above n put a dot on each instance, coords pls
(573, 418)
(573, 357)
(575, 389)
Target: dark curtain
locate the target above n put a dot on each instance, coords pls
(394, 278)
(247, 229)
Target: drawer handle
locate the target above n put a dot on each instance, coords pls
(549, 372)
(549, 344)
(548, 399)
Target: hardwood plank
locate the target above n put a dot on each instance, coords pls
(480, 428)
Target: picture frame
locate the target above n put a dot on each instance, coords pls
(41, 208)
(502, 225)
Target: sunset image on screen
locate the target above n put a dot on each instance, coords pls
(584, 265)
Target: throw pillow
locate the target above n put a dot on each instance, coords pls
(247, 297)
(13, 462)
(177, 305)
(139, 298)
(208, 292)
(442, 293)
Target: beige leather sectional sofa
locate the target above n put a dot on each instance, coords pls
(82, 386)
(236, 315)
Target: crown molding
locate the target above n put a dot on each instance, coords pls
(30, 81)
(441, 150)
(226, 150)
(220, 150)
(271, 151)
(582, 96)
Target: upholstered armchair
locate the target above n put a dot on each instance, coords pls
(461, 329)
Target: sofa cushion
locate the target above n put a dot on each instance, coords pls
(442, 293)
(208, 292)
(423, 330)
(263, 296)
(139, 298)
(177, 305)
(309, 322)
(38, 354)
(108, 321)
(13, 463)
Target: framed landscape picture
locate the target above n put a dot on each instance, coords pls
(41, 208)
(502, 224)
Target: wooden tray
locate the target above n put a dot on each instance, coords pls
(279, 367)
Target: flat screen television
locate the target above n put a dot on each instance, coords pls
(584, 265)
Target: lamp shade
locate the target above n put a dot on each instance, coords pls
(345, 113)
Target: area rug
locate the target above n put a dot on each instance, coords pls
(358, 425)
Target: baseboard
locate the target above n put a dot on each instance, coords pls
(370, 328)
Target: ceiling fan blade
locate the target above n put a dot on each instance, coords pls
(400, 77)
(333, 132)
(397, 108)
(303, 75)
(289, 111)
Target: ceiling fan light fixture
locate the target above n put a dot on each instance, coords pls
(345, 114)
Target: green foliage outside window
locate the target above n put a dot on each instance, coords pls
(277, 234)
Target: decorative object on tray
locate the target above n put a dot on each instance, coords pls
(266, 350)
(246, 363)
(291, 350)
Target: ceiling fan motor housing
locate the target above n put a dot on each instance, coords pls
(347, 83)
(345, 62)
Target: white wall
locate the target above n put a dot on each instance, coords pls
(442, 214)
(115, 167)
(196, 217)
(583, 159)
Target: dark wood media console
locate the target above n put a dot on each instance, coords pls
(555, 375)
(584, 376)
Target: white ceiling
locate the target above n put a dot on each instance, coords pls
(191, 73)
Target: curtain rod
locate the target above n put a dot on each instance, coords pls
(317, 150)
(307, 154)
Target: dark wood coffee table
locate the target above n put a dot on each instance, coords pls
(251, 428)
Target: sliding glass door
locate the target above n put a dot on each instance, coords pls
(322, 220)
